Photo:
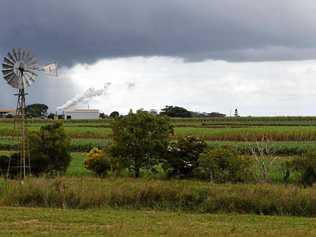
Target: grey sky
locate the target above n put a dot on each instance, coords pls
(73, 31)
(85, 32)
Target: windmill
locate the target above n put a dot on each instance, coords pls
(20, 68)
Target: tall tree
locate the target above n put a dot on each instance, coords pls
(36, 110)
(140, 139)
(175, 111)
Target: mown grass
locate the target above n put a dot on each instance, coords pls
(117, 222)
(175, 195)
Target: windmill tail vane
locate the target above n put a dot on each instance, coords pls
(50, 68)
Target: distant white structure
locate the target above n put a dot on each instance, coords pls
(82, 114)
(6, 112)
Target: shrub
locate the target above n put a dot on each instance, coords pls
(224, 165)
(49, 149)
(306, 166)
(182, 156)
(97, 162)
(139, 140)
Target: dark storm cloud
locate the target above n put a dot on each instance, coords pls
(71, 31)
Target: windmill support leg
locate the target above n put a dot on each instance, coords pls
(20, 115)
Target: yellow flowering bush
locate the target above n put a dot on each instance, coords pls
(97, 162)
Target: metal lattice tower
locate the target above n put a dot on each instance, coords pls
(20, 69)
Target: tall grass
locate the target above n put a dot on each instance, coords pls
(171, 195)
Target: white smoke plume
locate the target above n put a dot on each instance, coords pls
(130, 85)
(87, 95)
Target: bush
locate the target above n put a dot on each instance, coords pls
(182, 156)
(224, 165)
(306, 166)
(49, 149)
(97, 162)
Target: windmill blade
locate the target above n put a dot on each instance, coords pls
(8, 61)
(26, 81)
(30, 76)
(24, 51)
(14, 83)
(32, 61)
(28, 56)
(14, 52)
(19, 54)
(7, 66)
(31, 72)
(10, 77)
(11, 57)
(7, 72)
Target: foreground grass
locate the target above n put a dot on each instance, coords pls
(114, 222)
(175, 195)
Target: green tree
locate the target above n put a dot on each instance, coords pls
(182, 156)
(140, 139)
(36, 110)
(114, 114)
(49, 149)
(175, 111)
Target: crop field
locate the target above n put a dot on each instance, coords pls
(79, 204)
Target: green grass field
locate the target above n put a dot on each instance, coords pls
(140, 216)
(116, 222)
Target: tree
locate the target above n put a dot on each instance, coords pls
(36, 110)
(182, 156)
(139, 140)
(102, 115)
(175, 111)
(114, 114)
(49, 149)
(51, 116)
(216, 115)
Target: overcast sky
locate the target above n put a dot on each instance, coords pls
(206, 55)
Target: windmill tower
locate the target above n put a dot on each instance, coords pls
(20, 69)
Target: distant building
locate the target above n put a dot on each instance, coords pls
(7, 112)
(82, 114)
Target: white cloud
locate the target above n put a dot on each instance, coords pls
(255, 88)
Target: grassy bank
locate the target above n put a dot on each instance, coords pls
(110, 222)
(159, 195)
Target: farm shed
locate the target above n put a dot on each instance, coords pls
(6, 112)
(82, 114)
